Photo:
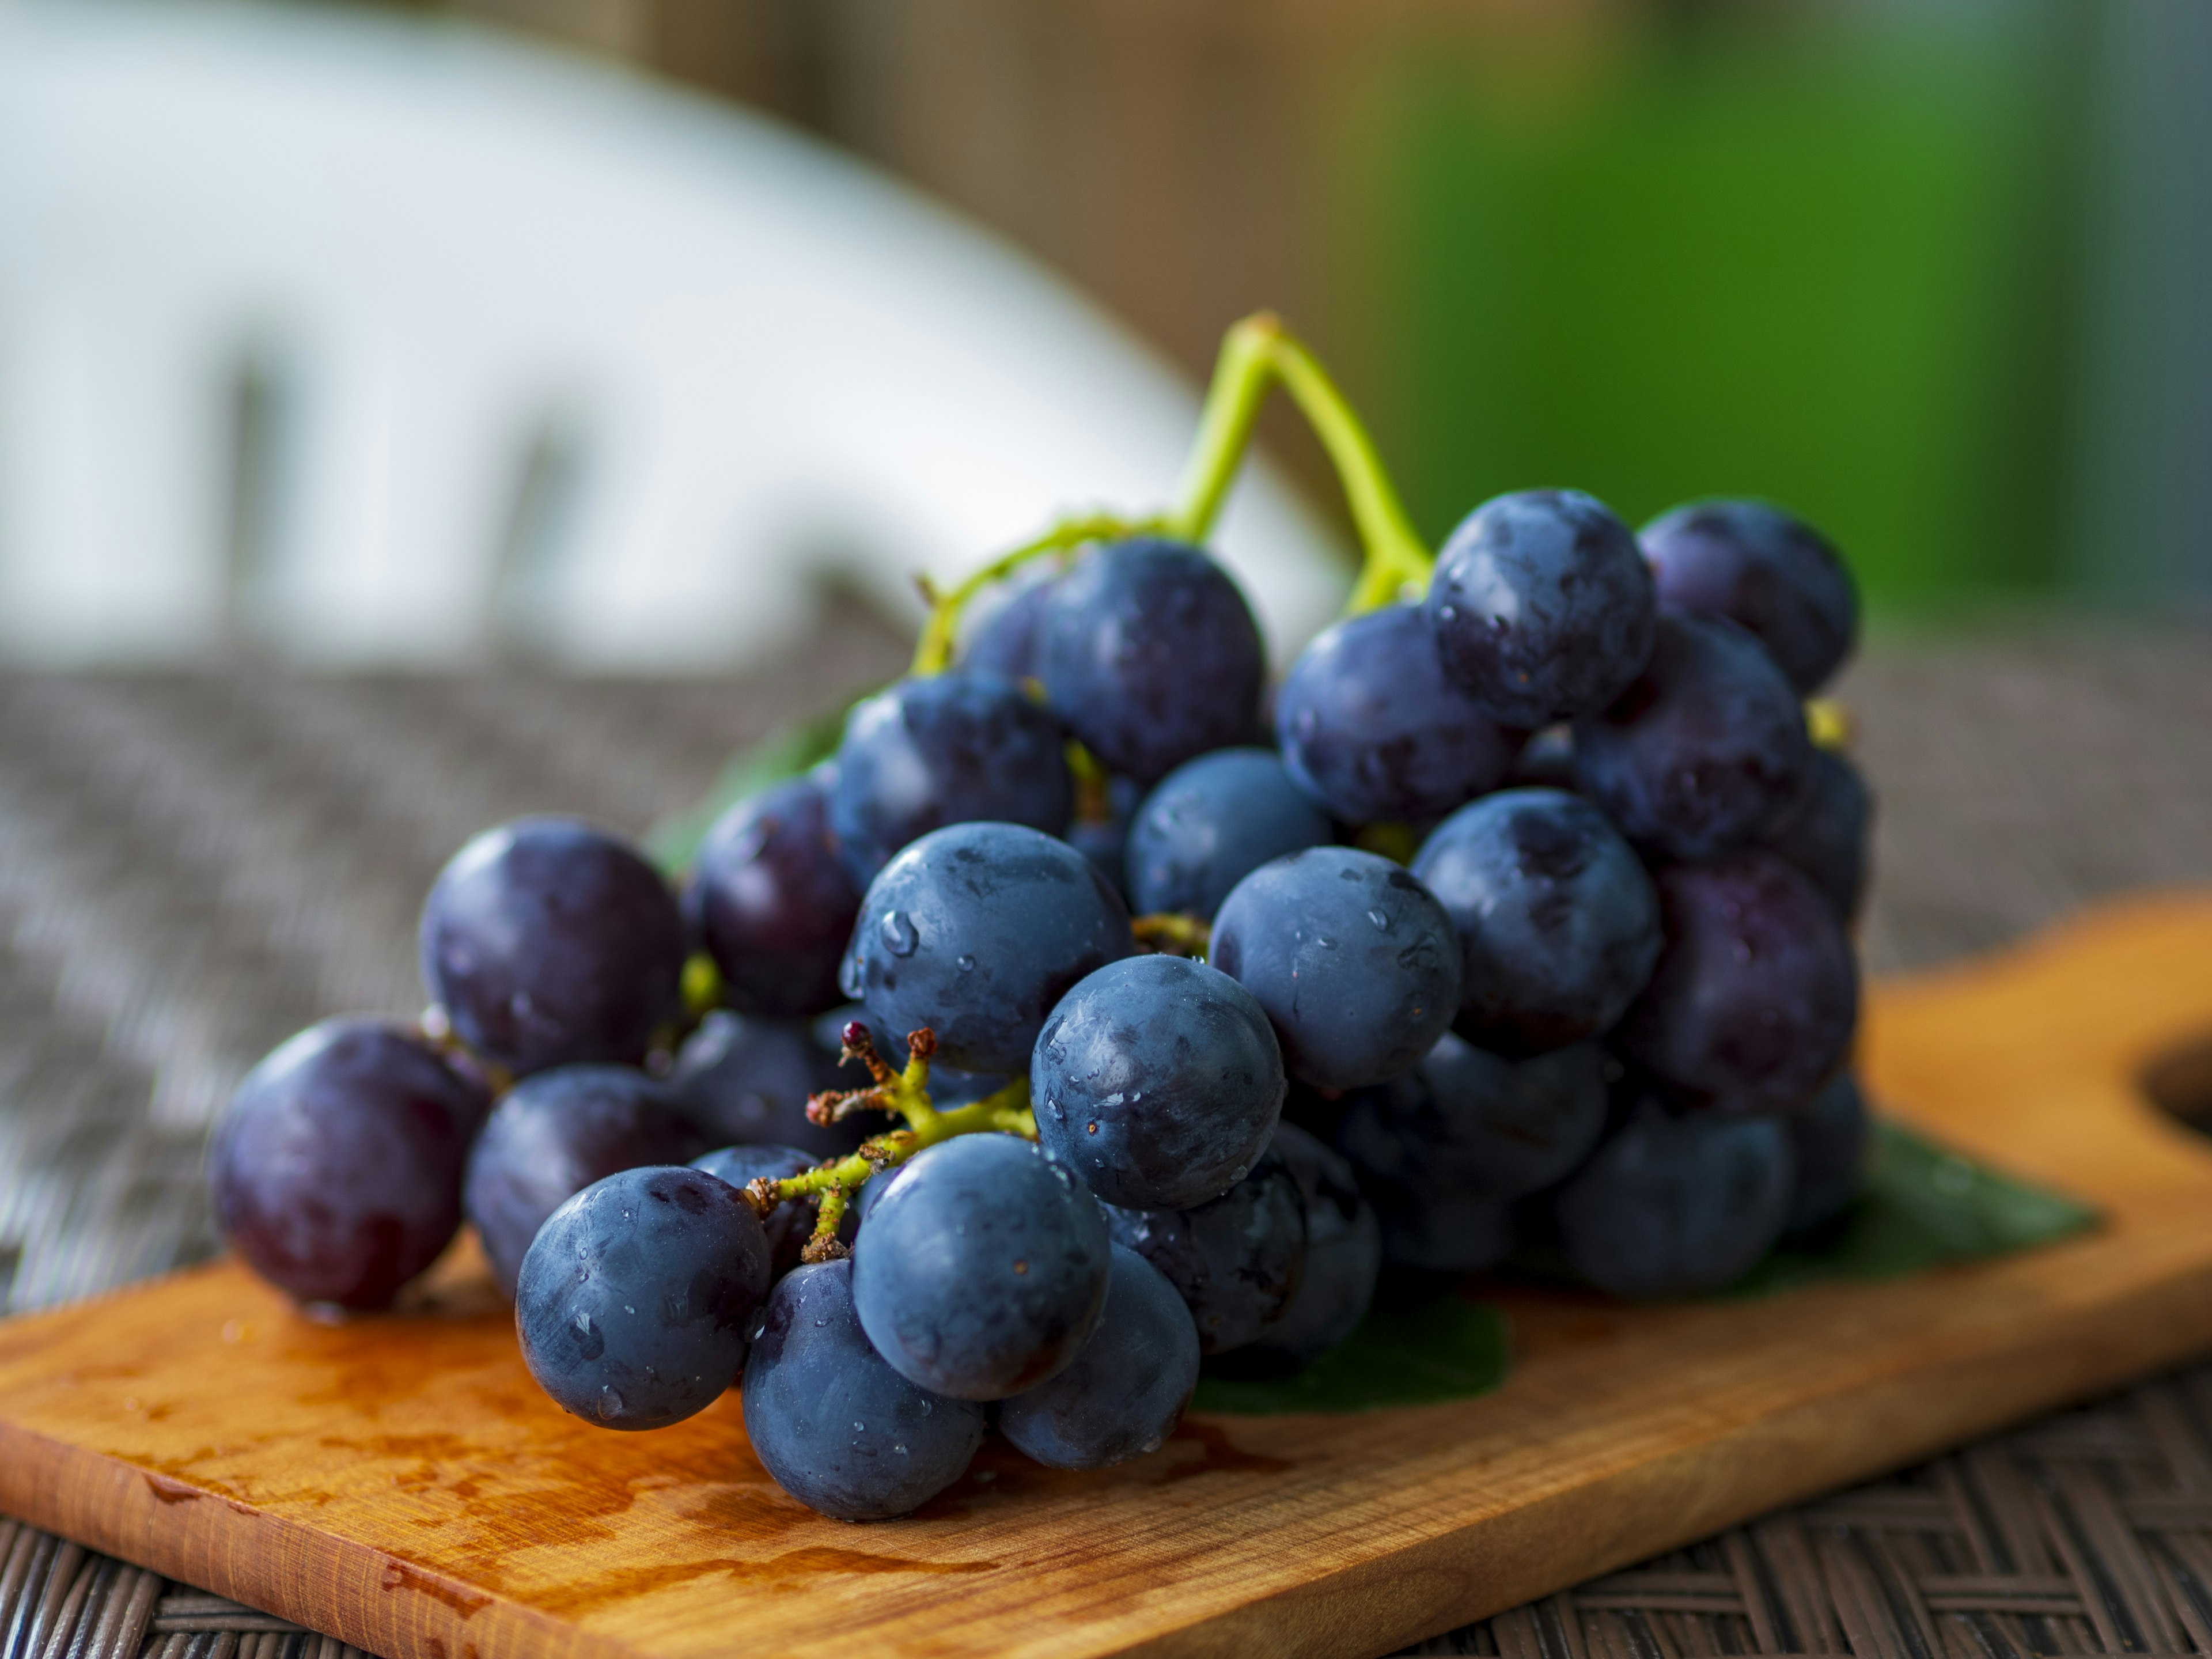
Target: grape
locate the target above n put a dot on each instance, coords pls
(1756, 991)
(1547, 760)
(953, 749)
(1004, 642)
(982, 1271)
(1126, 1391)
(553, 1134)
(1824, 833)
(1158, 1082)
(1542, 606)
(742, 1078)
(548, 942)
(1354, 959)
(976, 931)
(1344, 1255)
(1705, 751)
(1149, 654)
(1676, 1205)
(634, 1300)
(1372, 729)
(1557, 924)
(770, 902)
(1105, 840)
(837, 1428)
(1758, 567)
(336, 1170)
(1236, 1261)
(791, 1224)
(1828, 1139)
(1210, 824)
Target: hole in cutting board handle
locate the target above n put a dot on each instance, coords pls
(2180, 1083)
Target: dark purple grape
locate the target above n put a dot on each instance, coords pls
(1547, 760)
(336, 1170)
(1765, 570)
(743, 1077)
(1236, 1261)
(1105, 840)
(1354, 959)
(790, 1225)
(1756, 992)
(634, 1300)
(1557, 924)
(1826, 833)
(553, 1135)
(1343, 1256)
(1373, 731)
(549, 943)
(1210, 824)
(1126, 1391)
(836, 1427)
(1005, 641)
(954, 749)
(770, 902)
(1706, 751)
(1149, 654)
(1158, 1082)
(1828, 1138)
(1542, 606)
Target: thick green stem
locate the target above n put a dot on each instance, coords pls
(933, 653)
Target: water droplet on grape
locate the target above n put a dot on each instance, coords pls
(966, 964)
(611, 1404)
(899, 936)
(859, 1427)
(1383, 919)
(899, 1446)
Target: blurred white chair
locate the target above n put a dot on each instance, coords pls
(377, 343)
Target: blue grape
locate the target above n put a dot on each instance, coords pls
(1149, 654)
(336, 1170)
(743, 1077)
(1765, 571)
(1344, 1258)
(1105, 840)
(1828, 1140)
(634, 1300)
(836, 1427)
(1126, 1391)
(1210, 824)
(1158, 1082)
(1236, 1261)
(769, 900)
(1558, 923)
(1824, 833)
(553, 1134)
(1705, 751)
(791, 1224)
(1542, 606)
(1547, 760)
(1372, 729)
(981, 1272)
(549, 943)
(1756, 992)
(976, 931)
(1675, 1205)
(1005, 641)
(1354, 959)
(953, 749)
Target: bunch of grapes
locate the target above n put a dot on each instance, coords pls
(1090, 1015)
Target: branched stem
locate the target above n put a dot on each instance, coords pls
(933, 653)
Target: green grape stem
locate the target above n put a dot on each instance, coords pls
(1171, 934)
(932, 654)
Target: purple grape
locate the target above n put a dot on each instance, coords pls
(336, 1170)
(745, 1078)
(1210, 824)
(1344, 1257)
(1825, 834)
(1541, 606)
(1372, 729)
(1828, 1139)
(1236, 1261)
(1105, 840)
(1767, 572)
(1005, 641)
(790, 1225)
(550, 942)
(1705, 751)
(770, 902)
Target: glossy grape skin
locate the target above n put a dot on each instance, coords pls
(337, 1169)
(1004, 642)
(1764, 570)
(634, 1300)
(1126, 1391)
(1236, 1261)
(1149, 655)
(553, 1134)
(1354, 959)
(976, 931)
(836, 1427)
(952, 749)
(1344, 1257)
(1541, 606)
(1826, 832)
(746, 1078)
(550, 942)
(1828, 1140)
(1158, 1081)
(1675, 1205)
(1211, 823)
(1558, 923)
(1547, 760)
(1372, 729)
(770, 901)
(1705, 751)
(790, 1225)
(982, 1271)
(1756, 995)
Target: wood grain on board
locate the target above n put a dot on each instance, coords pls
(400, 1483)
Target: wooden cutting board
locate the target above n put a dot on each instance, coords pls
(398, 1481)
